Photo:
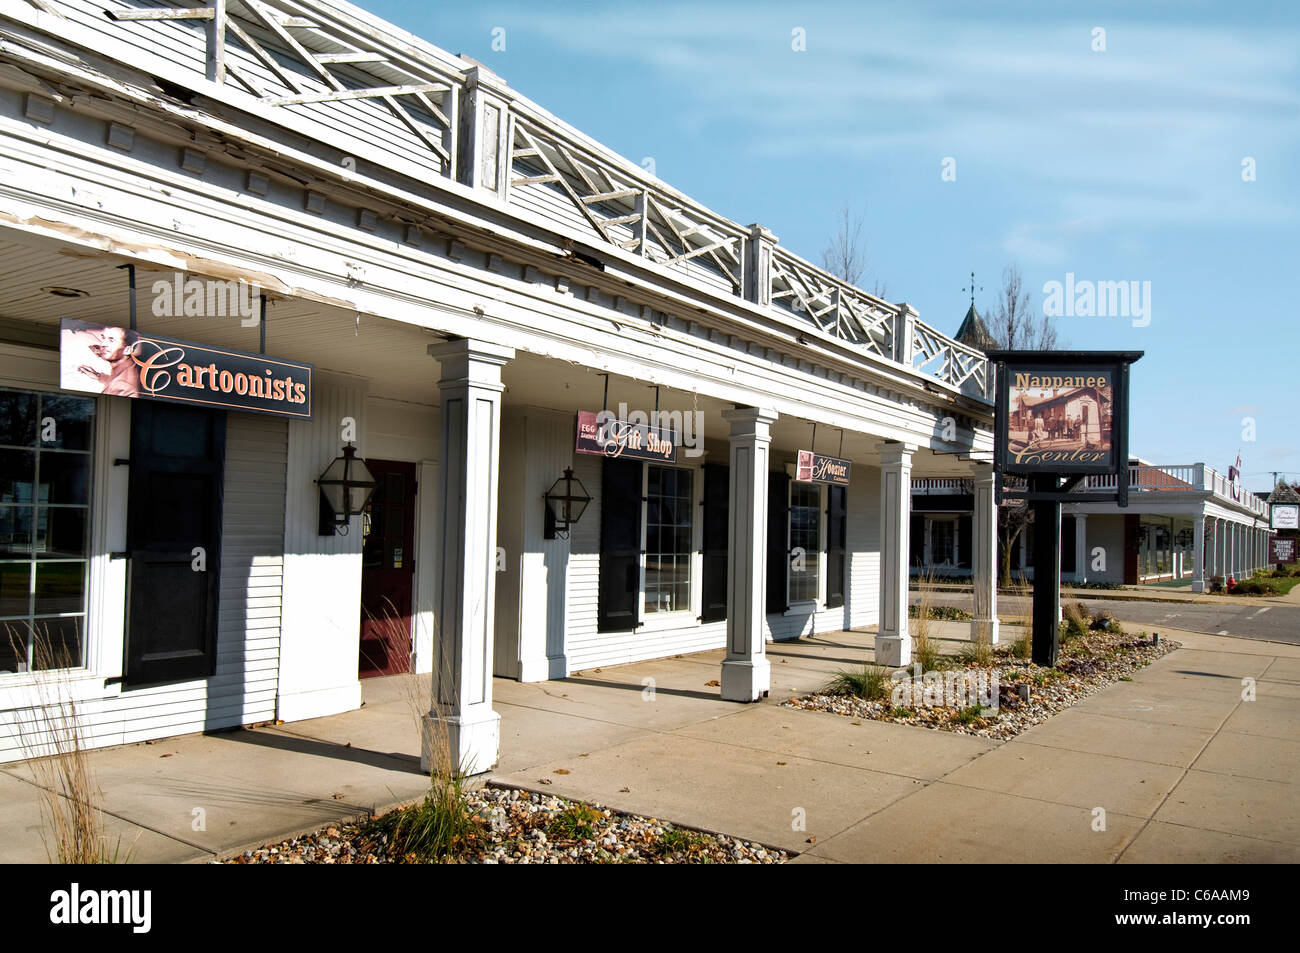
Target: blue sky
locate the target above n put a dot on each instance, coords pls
(1117, 165)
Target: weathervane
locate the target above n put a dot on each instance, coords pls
(972, 289)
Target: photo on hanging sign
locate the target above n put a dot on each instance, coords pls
(1064, 416)
(120, 362)
(604, 435)
(818, 468)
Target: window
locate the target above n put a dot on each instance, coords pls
(943, 541)
(668, 543)
(805, 542)
(46, 443)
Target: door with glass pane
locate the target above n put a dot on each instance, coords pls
(387, 570)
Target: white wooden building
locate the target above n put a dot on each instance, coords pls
(464, 273)
(1185, 523)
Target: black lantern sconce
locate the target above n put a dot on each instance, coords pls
(345, 487)
(565, 502)
(1184, 537)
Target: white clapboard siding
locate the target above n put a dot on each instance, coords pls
(587, 648)
(243, 690)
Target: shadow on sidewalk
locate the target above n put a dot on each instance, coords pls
(282, 740)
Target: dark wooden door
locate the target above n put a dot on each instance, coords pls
(173, 542)
(387, 570)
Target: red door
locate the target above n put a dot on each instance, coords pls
(387, 570)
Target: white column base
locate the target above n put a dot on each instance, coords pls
(1198, 585)
(893, 650)
(746, 680)
(472, 741)
(986, 628)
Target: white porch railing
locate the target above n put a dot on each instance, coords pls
(389, 101)
(1142, 479)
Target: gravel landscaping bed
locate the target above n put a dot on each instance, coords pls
(1086, 664)
(518, 827)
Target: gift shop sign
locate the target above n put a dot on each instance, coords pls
(605, 435)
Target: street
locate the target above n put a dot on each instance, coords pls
(1250, 620)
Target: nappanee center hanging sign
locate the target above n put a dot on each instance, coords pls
(818, 468)
(1062, 412)
(605, 435)
(101, 359)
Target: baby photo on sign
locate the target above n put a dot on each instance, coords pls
(98, 360)
(1066, 415)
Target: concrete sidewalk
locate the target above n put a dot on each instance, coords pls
(1183, 768)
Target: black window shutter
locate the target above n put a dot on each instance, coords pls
(620, 545)
(916, 544)
(717, 492)
(1068, 529)
(836, 545)
(778, 540)
(965, 538)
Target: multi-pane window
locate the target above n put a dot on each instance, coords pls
(805, 542)
(943, 541)
(46, 443)
(668, 544)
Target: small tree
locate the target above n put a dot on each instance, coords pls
(846, 255)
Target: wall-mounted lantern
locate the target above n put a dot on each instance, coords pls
(345, 487)
(565, 502)
(1185, 537)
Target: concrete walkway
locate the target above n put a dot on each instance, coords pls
(1184, 769)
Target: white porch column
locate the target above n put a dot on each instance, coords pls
(984, 560)
(1200, 579)
(1220, 533)
(1080, 547)
(893, 644)
(746, 672)
(462, 718)
(1234, 555)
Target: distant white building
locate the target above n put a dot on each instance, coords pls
(1182, 523)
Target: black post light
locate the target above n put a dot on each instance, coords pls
(345, 487)
(566, 501)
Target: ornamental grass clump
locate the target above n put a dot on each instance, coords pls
(870, 683)
(52, 736)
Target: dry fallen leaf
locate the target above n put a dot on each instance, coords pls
(624, 790)
(543, 780)
(812, 840)
(166, 755)
(712, 683)
(560, 771)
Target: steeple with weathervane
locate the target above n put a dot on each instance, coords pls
(973, 332)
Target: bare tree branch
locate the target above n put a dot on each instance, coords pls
(846, 256)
